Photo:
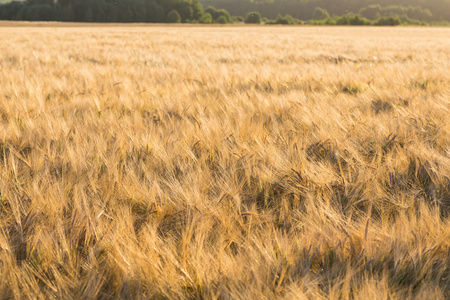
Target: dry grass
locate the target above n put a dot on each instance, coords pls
(224, 163)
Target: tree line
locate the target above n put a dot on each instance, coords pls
(428, 11)
(248, 11)
(154, 11)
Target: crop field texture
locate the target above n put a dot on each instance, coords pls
(224, 162)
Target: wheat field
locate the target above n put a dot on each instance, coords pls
(151, 162)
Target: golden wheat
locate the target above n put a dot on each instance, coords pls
(224, 162)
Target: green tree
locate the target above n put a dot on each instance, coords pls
(222, 20)
(357, 20)
(174, 17)
(237, 19)
(197, 9)
(217, 13)
(253, 17)
(206, 18)
(286, 20)
(391, 21)
(320, 14)
(185, 10)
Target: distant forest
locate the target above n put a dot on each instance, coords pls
(424, 10)
(328, 12)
